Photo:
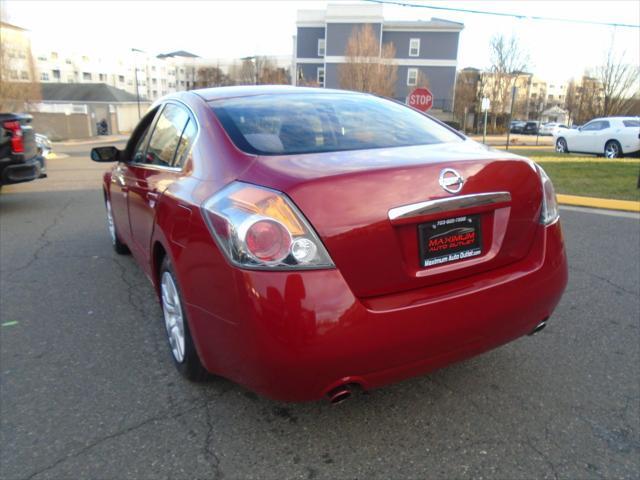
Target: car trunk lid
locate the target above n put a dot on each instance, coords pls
(352, 198)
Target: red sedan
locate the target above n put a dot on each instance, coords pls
(306, 242)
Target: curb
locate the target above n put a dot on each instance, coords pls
(608, 204)
(57, 156)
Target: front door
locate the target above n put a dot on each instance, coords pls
(150, 174)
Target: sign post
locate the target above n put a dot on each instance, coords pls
(486, 105)
(420, 99)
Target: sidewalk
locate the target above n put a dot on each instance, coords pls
(93, 140)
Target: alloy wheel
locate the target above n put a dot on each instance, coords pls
(612, 150)
(173, 317)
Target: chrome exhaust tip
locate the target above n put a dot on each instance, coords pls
(541, 326)
(340, 394)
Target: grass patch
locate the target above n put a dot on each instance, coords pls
(604, 179)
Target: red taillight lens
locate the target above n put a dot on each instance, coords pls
(268, 241)
(260, 228)
(17, 142)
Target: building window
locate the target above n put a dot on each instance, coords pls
(102, 77)
(54, 55)
(121, 78)
(68, 61)
(414, 47)
(56, 74)
(42, 59)
(85, 58)
(44, 76)
(412, 77)
(86, 76)
(320, 76)
(321, 43)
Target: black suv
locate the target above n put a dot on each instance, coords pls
(19, 157)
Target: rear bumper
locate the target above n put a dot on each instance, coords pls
(22, 172)
(299, 335)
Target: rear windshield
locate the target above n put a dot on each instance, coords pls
(324, 122)
(631, 123)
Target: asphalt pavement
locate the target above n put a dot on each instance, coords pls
(88, 389)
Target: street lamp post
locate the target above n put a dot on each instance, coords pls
(135, 69)
(514, 90)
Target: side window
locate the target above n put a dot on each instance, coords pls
(138, 155)
(604, 124)
(166, 136)
(591, 126)
(186, 141)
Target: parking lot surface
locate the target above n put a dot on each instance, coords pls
(88, 389)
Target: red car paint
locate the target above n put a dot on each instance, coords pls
(376, 318)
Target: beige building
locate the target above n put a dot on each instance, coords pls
(18, 82)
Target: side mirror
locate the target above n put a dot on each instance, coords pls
(105, 154)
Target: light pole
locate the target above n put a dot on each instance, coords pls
(514, 90)
(135, 67)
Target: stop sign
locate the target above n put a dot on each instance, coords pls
(421, 99)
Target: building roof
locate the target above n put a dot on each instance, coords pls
(85, 92)
(10, 25)
(178, 53)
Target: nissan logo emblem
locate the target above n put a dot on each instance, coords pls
(451, 180)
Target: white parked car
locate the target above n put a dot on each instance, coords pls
(612, 137)
(550, 128)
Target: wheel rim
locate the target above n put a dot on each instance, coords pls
(560, 146)
(110, 225)
(611, 151)
(173, 318)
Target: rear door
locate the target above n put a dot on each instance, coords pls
(152, 173)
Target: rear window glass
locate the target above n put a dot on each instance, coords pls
(631, 123)
(324, 122)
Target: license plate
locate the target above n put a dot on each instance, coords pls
(449, 240)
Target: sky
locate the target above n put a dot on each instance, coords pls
(227, 29)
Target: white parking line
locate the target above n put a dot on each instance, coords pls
(599, 211)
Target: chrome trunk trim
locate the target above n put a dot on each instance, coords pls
(442, 205)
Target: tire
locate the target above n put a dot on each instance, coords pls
(613, 149)
(119, 247)
(561, 146)
(183, 351)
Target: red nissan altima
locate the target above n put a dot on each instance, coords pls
(306, 242)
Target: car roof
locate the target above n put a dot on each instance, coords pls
(217, 93)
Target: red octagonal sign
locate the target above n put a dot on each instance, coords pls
(421, 99)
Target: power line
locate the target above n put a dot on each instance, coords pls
(503, 14)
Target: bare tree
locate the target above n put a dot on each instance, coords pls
(212, 77)
(508, 60)
(571, 100)
(619, 82)
(368, 68)
(268, 73)
(590, 99)
(466, 95)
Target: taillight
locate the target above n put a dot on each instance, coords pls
(550, 211)
(17, 142)
(260, 228)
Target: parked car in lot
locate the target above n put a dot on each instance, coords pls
(517, 126)
(20, 160)
(550, 128)
(530, 128)
(306, 242)
(612, 137)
